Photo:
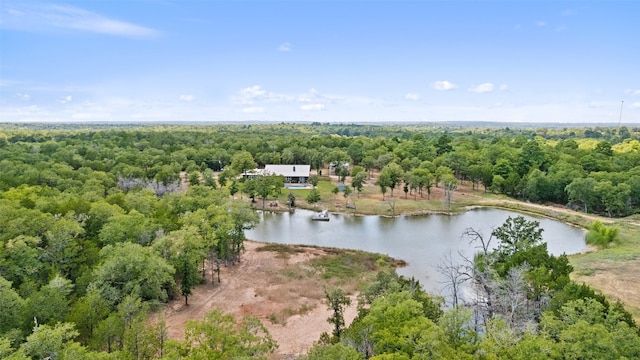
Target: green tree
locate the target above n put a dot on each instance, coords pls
(424, 179)
(458, 162)
(209, 178)
(357, 182)
(441, 173)
(52, 342)
(219, 336)
(384, 182)
(346, 192)
(503, 168)
(20, 262)
(98, 216)
(585, 330)
(11, 307)
(187, 272)
(475, 175)
(194, 178)
(337, 300)
(356, 151)
(456, 324)
(332, 352)
(443, 144)
(50, 304)
(342, 172)
(133, 312)
(536, 186)
(129, 268)
(531, 157)
(242, 161)
(87, 312)
(132, 227)
(233, 188)
(313, 197)
(604, 148)
(355, 170)
(313, 180)
(62, 247)
(517, 234)
(581, 191)
(398, 327)
(225, 176)
(394, 173)
(264, 186)
(614, 198)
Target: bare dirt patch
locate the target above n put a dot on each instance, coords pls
(618, 281)
(281, 288)
(621, 282)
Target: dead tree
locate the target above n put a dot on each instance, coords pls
(455, 275)
(479, 268)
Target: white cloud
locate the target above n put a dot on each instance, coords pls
(444, 85)
(285, 47)
(254, 110)
(253, 91)
(635, 105)
(312, 107)
(66, 99)
(309, 96)
(255, 94)
(45, 17)
(186, 97)
(503, 87)
(541, 23)
(412, 96)
(24, 97)
(482, 88)
(632, 92)
(250, 94)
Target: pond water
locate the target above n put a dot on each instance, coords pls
(422, 241)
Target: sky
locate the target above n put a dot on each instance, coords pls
(328, 61)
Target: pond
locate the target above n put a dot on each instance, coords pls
(422, 241)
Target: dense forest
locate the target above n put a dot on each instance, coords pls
(595, 170)
(103, 224)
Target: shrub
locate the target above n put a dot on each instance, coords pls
(601, 235)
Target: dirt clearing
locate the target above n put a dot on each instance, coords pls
(282, 289)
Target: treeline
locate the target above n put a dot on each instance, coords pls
(511, 301)
(593, 170)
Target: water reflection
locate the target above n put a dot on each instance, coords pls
(422, 241)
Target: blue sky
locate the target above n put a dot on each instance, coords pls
(329, 61)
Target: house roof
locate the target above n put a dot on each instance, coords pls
(288, 170)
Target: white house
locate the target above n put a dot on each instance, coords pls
(293, 174)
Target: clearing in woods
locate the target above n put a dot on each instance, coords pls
(281, 287)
